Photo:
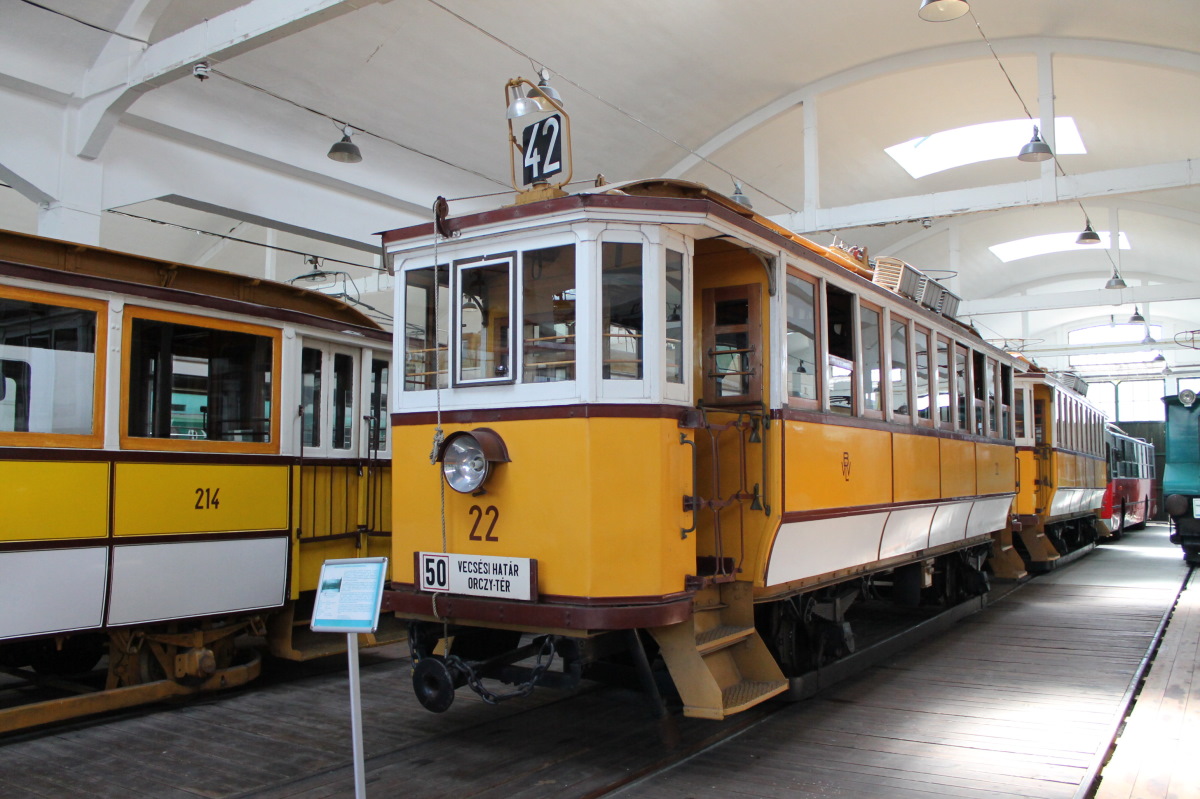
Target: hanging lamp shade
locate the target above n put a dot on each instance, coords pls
(1137, 318)
(942, 10)
(544, 88)
(1115, 282)
(739, 196)
(1036, 150)
(1088, 236)
(345, 151)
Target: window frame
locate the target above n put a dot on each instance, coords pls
(95, 439)
(458, 266)
(909, 371)
(818, 338)
(325, 418)
(275, 335)
(930, 374)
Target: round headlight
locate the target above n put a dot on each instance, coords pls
(464, 464)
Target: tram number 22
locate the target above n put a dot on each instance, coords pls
(541, 144)
(492, 513)
(207, 499)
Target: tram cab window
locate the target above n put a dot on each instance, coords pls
(47, 368)
(922, 388)
(839, 332)
(623, 323)
(870, 323)
(675, 310)
(378, 419)
(899, 370)
(548, 331)
(733, 344)
(221, 378)
(426, 328)
(482, 320)
(801, 339)
(1039, 421)
(327, 380)
(1019, 413)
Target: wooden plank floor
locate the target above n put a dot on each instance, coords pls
(1013, 702)
(1155, 757)
(1017, 701)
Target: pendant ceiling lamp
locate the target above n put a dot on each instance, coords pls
(345, 151)
(942, 10)
(1088, 236)
(1036, 150)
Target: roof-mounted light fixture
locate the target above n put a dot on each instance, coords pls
(1116, 281)
(345, 151)
(1137, 318)
(739, 196)
(942, 10)
(1036, 149)
(1088, 236)
(544, 89)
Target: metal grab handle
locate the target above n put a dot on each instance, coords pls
(690, 500)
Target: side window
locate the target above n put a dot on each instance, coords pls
(870, 323)
(1019, 408)
(623, 323)
(426, 328)
(1006, 400)
(343, 402)
(48, 367)
(922, 388)
(899, 370)
(839, 333)
(482, 320)
(548, 315)
(979, 425)
(945, 385)
(379, 420)
(675, 310)
(963, 409)
(310, 397)
(187, 381)
(801, 339)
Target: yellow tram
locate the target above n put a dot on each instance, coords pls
(180, 450)
(644, 422)
(1063, 468)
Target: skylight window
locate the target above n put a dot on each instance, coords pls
(938, 152)
(1051, 242)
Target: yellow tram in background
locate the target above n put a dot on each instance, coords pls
(643, 424)
(180, 451)
(1063, 468)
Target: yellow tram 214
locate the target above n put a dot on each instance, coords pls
(643, 422)
(180, 450)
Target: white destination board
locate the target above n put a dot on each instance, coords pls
(348, 595)
(476, 575)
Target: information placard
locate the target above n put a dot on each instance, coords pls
(348, 595)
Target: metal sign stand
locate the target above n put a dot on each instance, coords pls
(348, 595)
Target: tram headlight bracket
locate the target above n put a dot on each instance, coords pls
(467, 458)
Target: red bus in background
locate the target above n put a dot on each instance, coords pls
(1129, 500)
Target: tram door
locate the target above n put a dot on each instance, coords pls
(732, 430)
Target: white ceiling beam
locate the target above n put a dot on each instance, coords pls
(111, 87)
(1102, 349)
(1072, 188)
(1165, 292)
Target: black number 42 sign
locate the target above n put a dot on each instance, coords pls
(542, 144)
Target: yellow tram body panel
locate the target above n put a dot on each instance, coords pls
(175, 499)
(1028, 501)
(588, 498)
(995, 468)
(958, 471)
(834, 466)
(915, 484)
(54, 500)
